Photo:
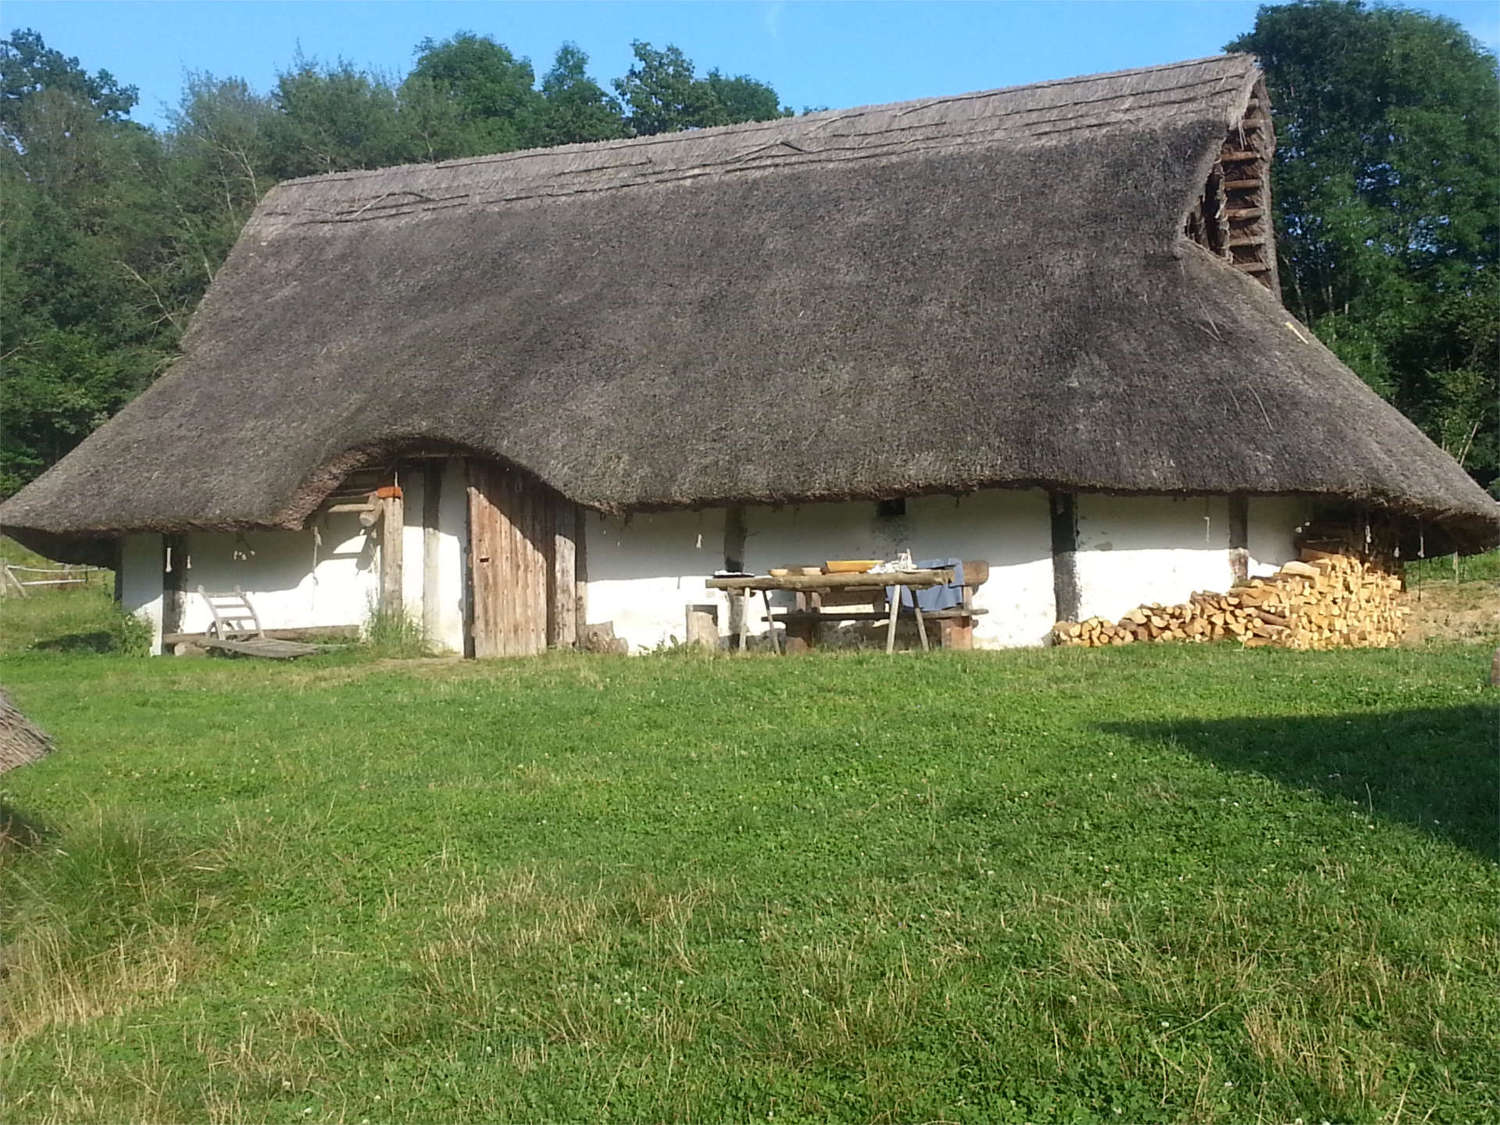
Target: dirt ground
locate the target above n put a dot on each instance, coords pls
(1453, 611)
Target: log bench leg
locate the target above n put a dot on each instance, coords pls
(801, 635)
(890, 629)
(956, 632)
(770, 620)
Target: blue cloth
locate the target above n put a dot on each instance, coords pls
(934, 598)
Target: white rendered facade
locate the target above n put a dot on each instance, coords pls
(641, 572)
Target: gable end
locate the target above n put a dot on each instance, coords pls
(1232, 218)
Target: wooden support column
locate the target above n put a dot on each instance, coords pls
(1065, 589)
(734, 559)
(174, 583)
(432, 543)
(562, 597)
(392, 521)
(580, 570)
(1239, 536)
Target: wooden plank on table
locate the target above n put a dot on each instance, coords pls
(822, 582)
(798, 615)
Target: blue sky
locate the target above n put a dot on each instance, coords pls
(814, 54)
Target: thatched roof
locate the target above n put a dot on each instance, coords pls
(21, 741)
(941, 295)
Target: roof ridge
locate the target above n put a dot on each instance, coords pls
(819, 117)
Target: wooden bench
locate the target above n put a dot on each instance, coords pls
(236, 628)
(816, 607)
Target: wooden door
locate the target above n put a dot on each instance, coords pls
(521, 562)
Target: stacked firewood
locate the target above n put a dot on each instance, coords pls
(1326, 600)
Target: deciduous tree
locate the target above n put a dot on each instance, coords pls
(1387, 194)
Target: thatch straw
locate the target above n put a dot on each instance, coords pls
(944, 295)
(21, 741)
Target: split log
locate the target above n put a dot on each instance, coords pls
(1323, 600)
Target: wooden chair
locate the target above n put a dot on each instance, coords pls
(235, 618)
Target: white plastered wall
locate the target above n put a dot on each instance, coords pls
(1010, 529)
(1272, 527)
(141, 581)
(443, 622)
(1141, 549)
(643, 572)
(300, 580)
(293, 580)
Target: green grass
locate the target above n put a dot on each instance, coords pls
(1151, 884)
(1466, 568)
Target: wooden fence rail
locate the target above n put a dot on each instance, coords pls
(16, 582)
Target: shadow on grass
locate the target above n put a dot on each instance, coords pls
(17, 830)
(97, 641)
(1437, 769)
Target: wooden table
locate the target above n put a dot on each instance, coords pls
(809, 587)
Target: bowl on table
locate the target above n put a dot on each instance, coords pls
(850, 566)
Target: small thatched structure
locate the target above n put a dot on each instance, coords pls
(21, 741)
(1066, 287)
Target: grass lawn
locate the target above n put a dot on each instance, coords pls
(1155, 883)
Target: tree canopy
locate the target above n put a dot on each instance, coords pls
(1386, 187)
(110, 232)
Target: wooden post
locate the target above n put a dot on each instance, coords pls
(1239, 536)
(765, 596)
(174, 582)
(580, 569)
(432, 541)
(392, 522)
(734, 559)
(1065, 591)
(562, 619)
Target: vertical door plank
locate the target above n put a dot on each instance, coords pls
(511, 529)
